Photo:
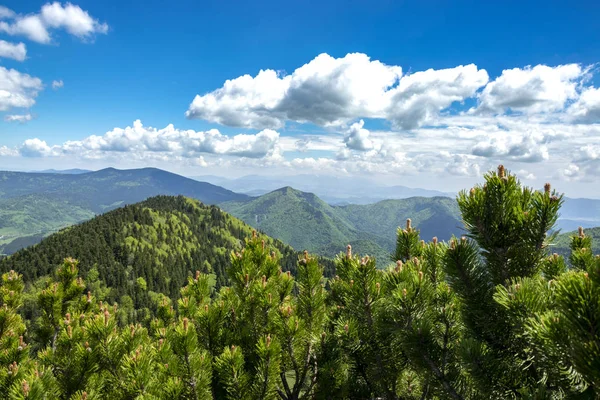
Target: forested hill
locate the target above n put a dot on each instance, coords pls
(305, 221)
(153, 245)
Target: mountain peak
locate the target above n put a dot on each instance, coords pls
(286, 190)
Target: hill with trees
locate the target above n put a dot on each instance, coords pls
(489, 315)
(144, 248)
(306, 222)
(33, 205)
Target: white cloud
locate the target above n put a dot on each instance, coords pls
(532, 90)
(343, 154)
(142, 141)
(16, 51)
(201, 162)
(421, 96)
(331, 91)
(17, 90)
(35, 148)
(572, 171)
(6, 13)
(7, 151)
(587, 107)
(523, 174)
(462, 165)
(73, 19)
(357, 138)
(22, 118)
(30, 26)
(589, 152)
(37, 27)
(57, 84)
(528, 147)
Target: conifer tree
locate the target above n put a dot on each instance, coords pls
(507, 235)
(559, 316)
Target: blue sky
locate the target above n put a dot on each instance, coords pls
(125, 61)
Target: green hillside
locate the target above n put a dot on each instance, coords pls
(433, 216)
(155, 245)
(35, 215)
(306, 222)
(33, 205)
(563, 241)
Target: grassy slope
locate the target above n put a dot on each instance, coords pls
(435, 216)
(35, 214)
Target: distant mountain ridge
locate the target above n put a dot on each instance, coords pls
(77, 197)
(33, 205)
(579, 212)
(99, 190)
(73, 171)
(333, 190)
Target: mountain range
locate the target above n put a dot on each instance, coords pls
(306, 222)
(72, 171)
(338, 190)
(34, 205)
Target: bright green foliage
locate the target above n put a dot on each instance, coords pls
(508, 225)
(144, 249)
(408, 244)
(397, 328)
(489, 315)
(560, 318)
(562, 244)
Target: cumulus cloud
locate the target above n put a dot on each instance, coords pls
(421, 96)
(588, 152)
(16, 51)
(17, 90)
(343, 154)
(7, 151)
(571, 172)
(22, 118)
(532, 89)
(357, 137)
(587, 106)
(461, 164)
(35, 148)
(30, 26)
(36, 27)
(524, 174)
(330, 91)
(57, 84)
(6, 13)
(143, 141)
(528, 147)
